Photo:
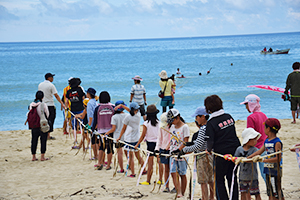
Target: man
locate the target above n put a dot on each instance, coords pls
(293, 84)
(138, 95)
(49, 90)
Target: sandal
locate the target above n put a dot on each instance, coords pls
(75, 147)
(45, 159)
(144, 172)
(121, 171)
(108, 168)
(100, 167)
(131, 175)
(166, 190)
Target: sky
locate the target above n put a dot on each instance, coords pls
(72, 20)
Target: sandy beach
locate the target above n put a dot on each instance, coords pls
(70, 176)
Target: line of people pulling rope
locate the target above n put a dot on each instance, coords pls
(170, 136)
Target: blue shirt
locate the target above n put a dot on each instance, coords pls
(91, 105)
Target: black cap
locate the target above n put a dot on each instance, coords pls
(48, 75)
(91, 91)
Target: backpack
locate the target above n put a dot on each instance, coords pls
(43, 121)
(33, 118)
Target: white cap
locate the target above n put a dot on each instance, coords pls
(248, 134)
(163, 74)
(163, 120)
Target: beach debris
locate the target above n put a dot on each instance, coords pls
(76, 192)
(136, 195)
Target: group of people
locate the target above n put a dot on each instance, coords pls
(108, 126)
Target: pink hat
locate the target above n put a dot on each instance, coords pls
(137, 78)
(253, 102)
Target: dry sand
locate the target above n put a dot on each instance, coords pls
(66, 176)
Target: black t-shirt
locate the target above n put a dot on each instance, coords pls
(222, 134)
(75, 95)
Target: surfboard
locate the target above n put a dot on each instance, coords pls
(269, 87)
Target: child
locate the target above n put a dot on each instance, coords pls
(163, 141)
(150, 133)
(102, 120)
(138, 95)
(181, 131)
(271, 169)
(248, 177)
(204, 162)
(131, 124)
(116, 122)
(173, 88)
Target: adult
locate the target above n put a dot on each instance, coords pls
(166, 86)
(138, 95)
(220, 129)
(49, 90)
(36, 132)
(76, 96)
(293, 84)
(256, 121)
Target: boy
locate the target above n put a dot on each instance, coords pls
(271, 169)
(248, 177)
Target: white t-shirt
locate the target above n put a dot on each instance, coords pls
(49, 90)
(181, 133)
(152, 131)
(132, 133)
(117, 121)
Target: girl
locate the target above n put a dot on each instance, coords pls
(102, 120)
(180, 132)
(163, 141)
(116, 122)
(150, 133)
(132, 128)
(36, 132)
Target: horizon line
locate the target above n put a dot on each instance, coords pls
(162, 38)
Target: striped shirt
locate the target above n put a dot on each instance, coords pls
(199, 143)
(138, 92)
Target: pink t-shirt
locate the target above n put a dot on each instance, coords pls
(256, 121)
(163, 139)
(152, 131)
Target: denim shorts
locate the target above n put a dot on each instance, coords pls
(164, 159)
(129, 148)
(179, 166)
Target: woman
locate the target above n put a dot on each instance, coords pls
(150, 134)
(36, 132)
(131, 124)
(220, 129)
(166, 87)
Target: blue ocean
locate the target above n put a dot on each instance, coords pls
(110, 66)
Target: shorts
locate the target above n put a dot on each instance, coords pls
(179, 166)
(163, 159)
(119, 145)
(74, 120)
(95, 139)
(166, 101)
(253, 188)
(129, 148)
(205, 172)
(294, 102)
(151, 147)
(272, 186)
(108, 145)
(142, 109)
